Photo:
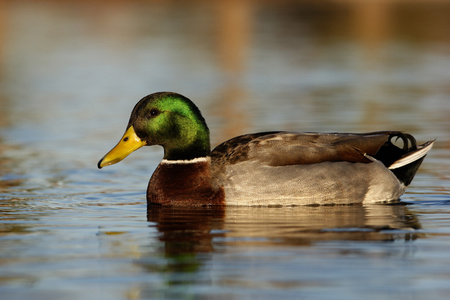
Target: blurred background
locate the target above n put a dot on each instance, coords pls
(71, 72)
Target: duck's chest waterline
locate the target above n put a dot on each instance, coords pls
(184, 183)
(193, 183)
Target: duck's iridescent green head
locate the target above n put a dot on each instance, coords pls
(167, 119)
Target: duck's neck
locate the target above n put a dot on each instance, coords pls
(189, 143)
(196, 150)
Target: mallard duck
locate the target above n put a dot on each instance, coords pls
(266, 168)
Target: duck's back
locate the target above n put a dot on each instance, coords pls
(284, 168)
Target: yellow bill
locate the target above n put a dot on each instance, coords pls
(128, 143)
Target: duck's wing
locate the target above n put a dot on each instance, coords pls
(288, 148)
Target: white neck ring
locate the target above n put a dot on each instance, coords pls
(187, 161)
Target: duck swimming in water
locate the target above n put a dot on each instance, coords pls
(266, 168)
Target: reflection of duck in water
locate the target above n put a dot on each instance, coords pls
(194, 240)
(270, 168)
(187, 231)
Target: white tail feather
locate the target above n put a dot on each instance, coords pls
(413, 156)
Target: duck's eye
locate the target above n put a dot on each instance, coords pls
(154, 112)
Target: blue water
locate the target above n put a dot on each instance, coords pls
(70, 74)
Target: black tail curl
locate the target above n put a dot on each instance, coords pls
(389, 153)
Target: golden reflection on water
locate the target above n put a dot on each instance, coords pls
(234, 21)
